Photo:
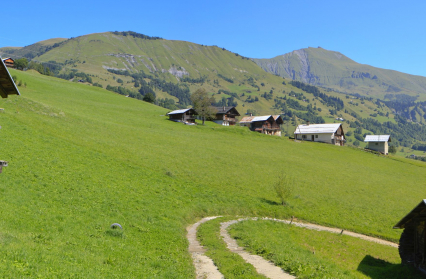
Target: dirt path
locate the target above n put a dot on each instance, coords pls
(261, 265)
(332, 230)
(205, 267)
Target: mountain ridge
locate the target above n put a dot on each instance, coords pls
(332, 69)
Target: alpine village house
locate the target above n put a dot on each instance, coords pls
(226, 116)
(9, 62)
(267, 124)
(183, 115)
(328, 133)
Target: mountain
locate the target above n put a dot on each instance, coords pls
(331, 69)
(134, 65)
(112, 58)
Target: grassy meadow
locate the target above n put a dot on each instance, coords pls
(312, 254)
(81, 158)
(301, 252)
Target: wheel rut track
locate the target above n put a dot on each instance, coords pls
(205, 267)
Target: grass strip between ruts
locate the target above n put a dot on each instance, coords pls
(314, 254)
(229, 264)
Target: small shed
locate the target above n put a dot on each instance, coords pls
(266, 124)
(183, 115)
(412, 244)
(226, 116)
(328, 133)
(7, 85)
(9, 62)
(378, 143)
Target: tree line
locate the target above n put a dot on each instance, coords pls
(135, 35)
(335, 102)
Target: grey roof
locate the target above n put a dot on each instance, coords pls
(377, 138)
(417, 214)
(179, 111)
(317, 128)
(7, 85)
(250, 119)
(261, 118)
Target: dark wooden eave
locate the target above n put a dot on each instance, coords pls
(7, 85)
(278, 119)
(417, 214)
(226, 110)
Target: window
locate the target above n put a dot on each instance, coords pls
(316, 136)
(303, 136)
(377, 143)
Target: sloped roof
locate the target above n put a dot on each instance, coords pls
(179, 111)
(377, 138)
(417, 214)
(223, 110)
(317, 128)
(7, 85)
(278, 119)
(249, 119)
(261, 118)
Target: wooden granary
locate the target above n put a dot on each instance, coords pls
(7, 87)
(412, 244)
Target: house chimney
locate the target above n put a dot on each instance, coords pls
(223, 108)
(307, 123)
(251, 114)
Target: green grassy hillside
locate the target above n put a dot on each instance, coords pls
(82, 158)
(134, 64)
(333, 70)
(95, 53)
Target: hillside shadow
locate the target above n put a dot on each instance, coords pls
(378, 269)
(269, 201)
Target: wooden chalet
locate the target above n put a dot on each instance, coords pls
(7, 85)
(226, 116)
(9, 62)
(378, 143)
(267, 124)
(412, 244)
(183, 115)
(328, 133)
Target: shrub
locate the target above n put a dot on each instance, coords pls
(283, 188)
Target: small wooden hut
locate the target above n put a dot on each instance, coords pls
(183, 115)
(412, 244)
(7, 85)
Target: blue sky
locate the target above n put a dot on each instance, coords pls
(386, 34)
